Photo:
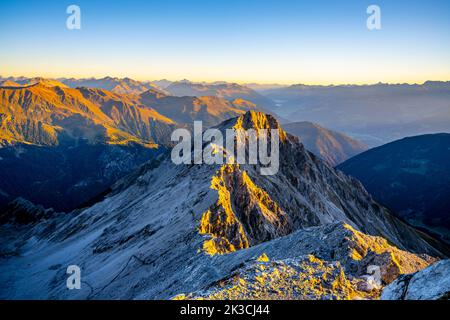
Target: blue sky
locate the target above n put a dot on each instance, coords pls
(243, 41)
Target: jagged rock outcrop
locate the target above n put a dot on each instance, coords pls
(146, 239)
(304, 278)
(313, 193)
(432, 283)
(360, 257)
(244, 214)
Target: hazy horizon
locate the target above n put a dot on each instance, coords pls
(221, 81)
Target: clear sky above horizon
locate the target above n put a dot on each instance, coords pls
(266, 41)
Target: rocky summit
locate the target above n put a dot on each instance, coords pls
(169, 231)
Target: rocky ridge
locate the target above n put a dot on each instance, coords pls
(150, 238)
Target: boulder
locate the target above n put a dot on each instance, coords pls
(432, 283)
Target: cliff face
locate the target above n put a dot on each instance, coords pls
(244, 214)
(169, 229)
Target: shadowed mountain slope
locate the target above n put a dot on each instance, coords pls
(411, 176)
(65, 177)
(333, 147)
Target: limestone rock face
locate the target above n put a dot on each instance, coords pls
(312, 193)
(314, 263)
(304, 278)
(244, 214)
(432, 283)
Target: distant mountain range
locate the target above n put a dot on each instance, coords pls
(184, 110)
(116, 85)
(261, 88)
(170, 230)
(410, 176)
(113, 84)
(374, 114)
(333, 147)
(228, 91)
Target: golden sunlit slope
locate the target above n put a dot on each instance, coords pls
(9, 83)
(45, 111)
